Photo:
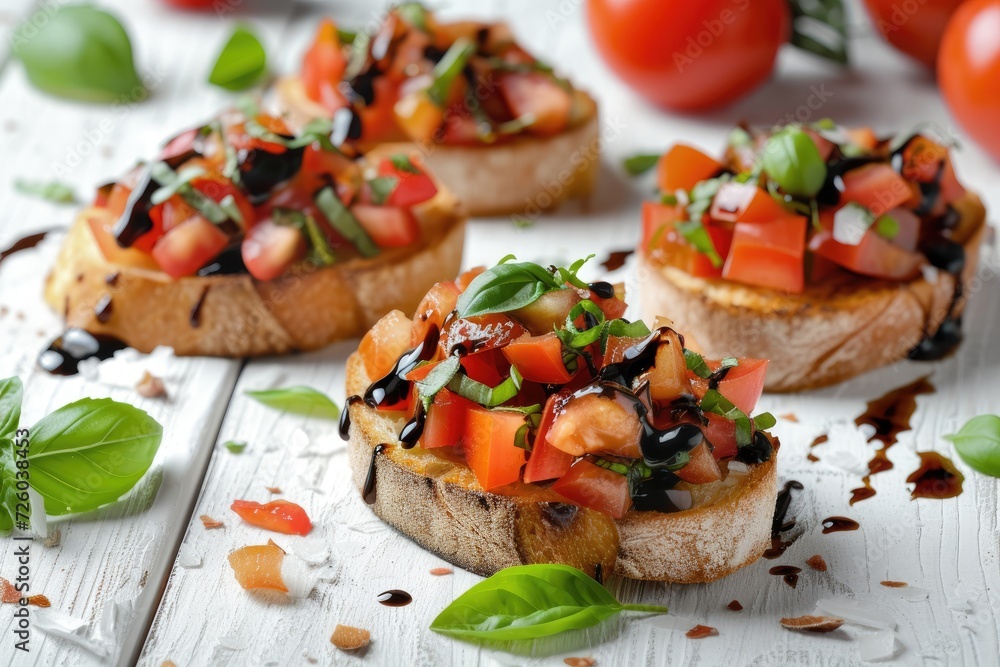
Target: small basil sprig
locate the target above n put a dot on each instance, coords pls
(81, 53)
(448, 69)
(978, 443)
(640, 163)
(53, 191)
(438, 379)
(512, 285)
(241, 63)
(530, 602)
(715, 403)
(298, 400)
(484, 395)
(82, 456)
(791, 160)
(820, 27)
(341, 218)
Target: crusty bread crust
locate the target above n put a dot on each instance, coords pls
(439, 504)
(239, 316)
(520, 177)
(827, 334)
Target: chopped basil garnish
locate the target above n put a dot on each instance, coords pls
(382, 187)
(791, 159)
(413, 13)
(404, 164)
(579, 338)
(887, 227)
(484, 395)
(730, 362)
(437, 379)
(695, 233)
(640, 163)
(718, 404)
(764, 421)
(321, 252)
(316, 130)
(242, 62)
(180, 183)
(512, 285)
(234, 446)
(448, 68)
(359, 55)
(820, 27)
(696, 364)
(52, 191)
(344, 222)
(346, 36)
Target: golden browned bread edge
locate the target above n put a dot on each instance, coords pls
(479, 531)
(823, 336)
(521, 177)
(238, 316)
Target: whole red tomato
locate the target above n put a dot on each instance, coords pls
(690, 54)
(969, 71)
(913, 26)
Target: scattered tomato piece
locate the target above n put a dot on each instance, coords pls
(209, 522)
(700, 632)
(281, 516)
(347, 638)
(441, 571)
(259, 566)
(817, 563)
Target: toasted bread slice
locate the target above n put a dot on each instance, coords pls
(828, 333)
(520, 177)
(235, 315)
(434, 498)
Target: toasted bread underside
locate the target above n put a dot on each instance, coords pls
(520, 177)
(827, 334)
(438, 503)
(235, 315)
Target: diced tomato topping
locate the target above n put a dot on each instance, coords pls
(907, 231)
(114, 253)
(597, 424)
(489, 446)
(479, 333)
(702, 468)
(537, 96)
(668, 378)
(614, 307)
(615, 351)
(823, 145)
(418, 117)
(388, 226)
(874, 256)
(269, 250)
(768, 254)
(538, 358)
(662, 238)
(411, 188)
(189, 246)
(863, 137)
(436, 305)
(721, 432)
(281, 516)
(323, 67)
(445, 422)
(594, 487)
(877, 187)
(378, 120)
(683, 167)
(489, 367)
(547, 462)
(180, 144)
(382, 346)
(742, 385)
(742, 202)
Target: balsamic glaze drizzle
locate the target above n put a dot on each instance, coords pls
(64, 354)
(368, 493)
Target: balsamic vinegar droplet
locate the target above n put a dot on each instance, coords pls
(790, 573)
(64, 354)
(616, 259)
(395, 598)
(837, 524)
(368, 493)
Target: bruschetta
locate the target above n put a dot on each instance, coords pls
(827, 250)
(243, 239)
(500, 129)
(517, 418)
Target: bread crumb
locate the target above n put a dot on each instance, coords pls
(735, 606)
(273, 489)
(812, 623)
(347, 638)
(441, 571)
(151, 386)
(53, 538)
(580, 662)
(700, 632)
(894, 584)
(817, 563)
(209, 522)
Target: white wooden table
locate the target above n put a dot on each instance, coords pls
(167, 576)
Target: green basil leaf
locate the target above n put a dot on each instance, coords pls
(791, 159)
(438, 378)
(582, 338)
(298, 400)
(234, 446)
(695, 233)
(640, 163)
(530, 602)
(242, 62)
(53, 191)
(413, 13)
(718, 404)
(978, 443)
(505, 287)
(448, 69)
(344, 222)
(346, 36)
(696, 364)
(484, 395)
(764, 421)
(11, 395)
(81, 53)
(820, 27)
(404, 164)
(319, 245)
(90, 453)
(382, 187)
(729, 362)
(887, 227)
